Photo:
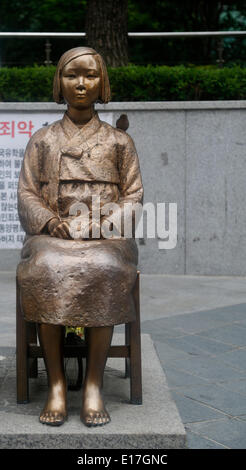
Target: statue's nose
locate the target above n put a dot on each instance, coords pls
(80, 83)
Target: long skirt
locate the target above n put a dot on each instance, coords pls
(77, 283)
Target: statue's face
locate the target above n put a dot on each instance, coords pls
(81, 82)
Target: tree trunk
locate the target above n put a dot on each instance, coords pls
(209, 15)
(106, 30)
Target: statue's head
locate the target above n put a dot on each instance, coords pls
(94, 72)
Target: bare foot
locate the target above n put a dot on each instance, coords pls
(93, 412)
(55, 410)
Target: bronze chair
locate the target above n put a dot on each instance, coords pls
(28, 351)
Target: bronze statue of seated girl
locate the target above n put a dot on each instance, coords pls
(66, 280)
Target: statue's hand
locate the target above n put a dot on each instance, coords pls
(59, 229)
(81, 229)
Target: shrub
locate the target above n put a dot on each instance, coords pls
(135, 83)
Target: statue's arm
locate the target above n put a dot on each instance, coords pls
(130, 185)
(33, 212)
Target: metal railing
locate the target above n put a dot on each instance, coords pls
(219, 34)
(130, 34)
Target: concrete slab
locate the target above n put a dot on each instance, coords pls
(154, 425)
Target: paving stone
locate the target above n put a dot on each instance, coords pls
(208, 368)
(196, 441)
(192, 411)
(236, 358)
(238, 386)
(230, 334)
(230, 432)
(243, 417)
(235, 308)
(159, 329)
(231, 313)
(193, 322)
(178, 378)
(166, 353)
(217, 397)
(241, 322)
(197, 345)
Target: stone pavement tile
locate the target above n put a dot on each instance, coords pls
(166, 353)
(239, 308)
(211, 369)
(231, 313)
(192, 322)
(195, 322)
(236, 358)
(159, 329)
(197, 345)
(217, 397)
(227, 431)
(230, 334)
(152, 309)
(178, 378)
(192, 411)
(241, 323)
(196, 441)
(238, 386)
(243, 417)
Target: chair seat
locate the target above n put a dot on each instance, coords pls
(28, 351)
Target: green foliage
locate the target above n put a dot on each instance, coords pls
(135, 83)
(26, 84)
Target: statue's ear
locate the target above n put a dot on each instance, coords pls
(122, 122)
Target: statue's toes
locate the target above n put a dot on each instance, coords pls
(52, 418)
(88, 419)
(99, 419)
(105, 418)
(96, 418)
(44, 417)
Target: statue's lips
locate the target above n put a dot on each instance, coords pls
(81, 95)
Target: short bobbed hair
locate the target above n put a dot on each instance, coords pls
(105, 93)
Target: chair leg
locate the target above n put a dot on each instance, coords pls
(127, 342)
(32, 338)
(135, 351)
(21, 353)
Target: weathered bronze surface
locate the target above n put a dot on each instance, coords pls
(77, 282)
